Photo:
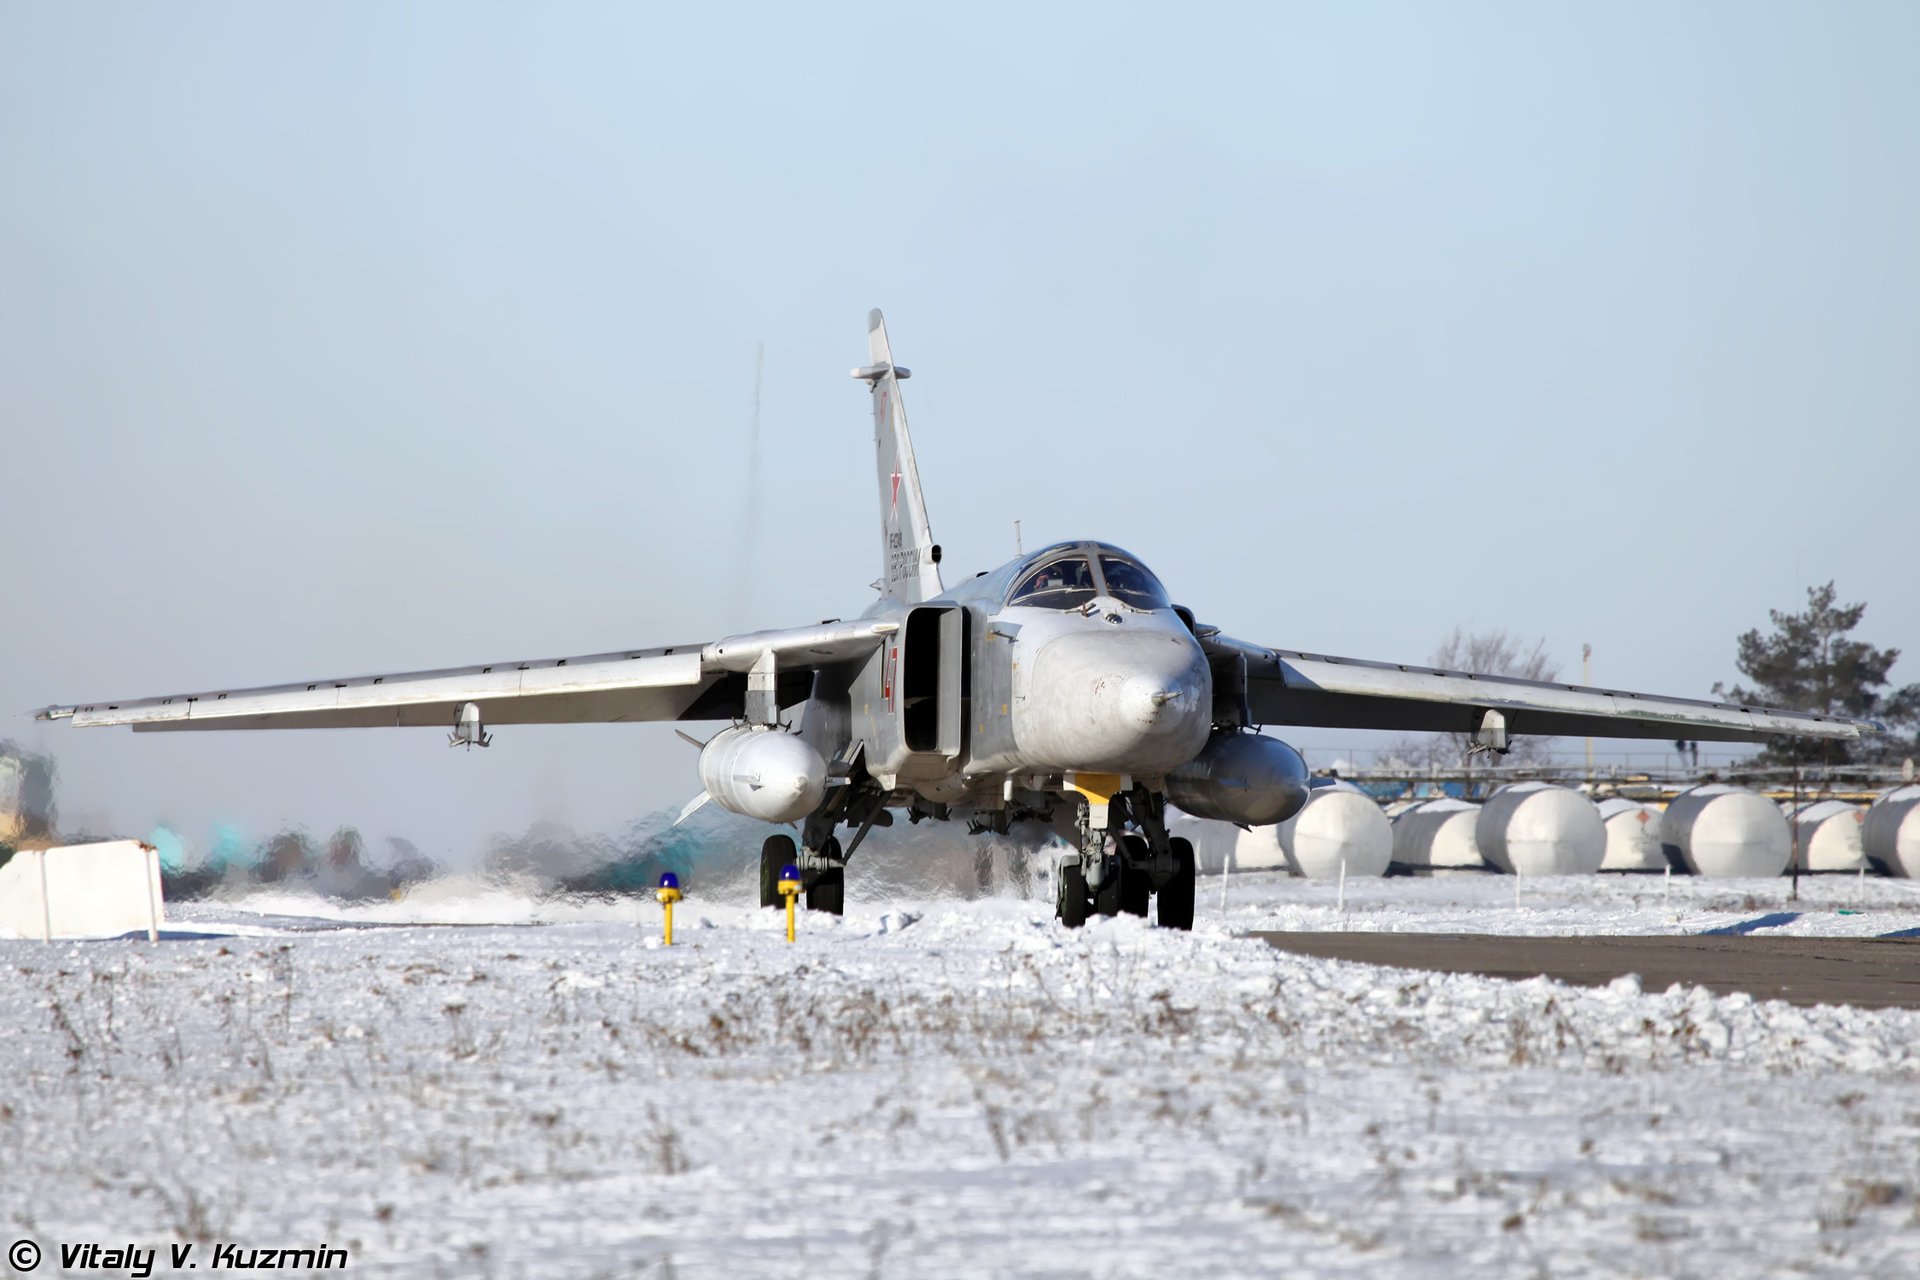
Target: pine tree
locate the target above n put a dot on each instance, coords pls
(1810, 663)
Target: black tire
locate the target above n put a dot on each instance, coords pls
(1136, 886)
(776, 852)
(1176, 898)
(1072, 904)
(1106, 899)
(828, 892)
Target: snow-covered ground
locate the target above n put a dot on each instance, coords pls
(939, 1087)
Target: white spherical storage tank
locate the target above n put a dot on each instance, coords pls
(1633, 836)
(1829, 835)
(1538, 829)
(1891, 833)
(1339, 824)
(1718, 830)
(1437, 835)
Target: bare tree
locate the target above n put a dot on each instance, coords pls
(1485, 653)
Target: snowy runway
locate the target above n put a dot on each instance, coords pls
(952, 1088)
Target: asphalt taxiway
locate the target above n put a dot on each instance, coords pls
(1873, 973)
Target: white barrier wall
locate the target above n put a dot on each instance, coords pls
(82, 891)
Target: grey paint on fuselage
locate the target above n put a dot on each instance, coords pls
(1106, 687)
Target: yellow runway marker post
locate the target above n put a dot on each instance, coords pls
(668, 893)
(790, 890)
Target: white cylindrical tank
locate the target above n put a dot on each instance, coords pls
(1890, 835)
(1538, 829)
(1437, 835)
(1829, 835)
(1213, 842)
(1718, 830)
(1633, 835)
(1258, 849)
(1339, 824)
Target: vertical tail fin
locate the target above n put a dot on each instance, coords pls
(910, 558)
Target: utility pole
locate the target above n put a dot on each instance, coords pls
(1793, 822)
(1586, 678)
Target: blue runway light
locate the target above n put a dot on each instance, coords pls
(668, 880)
(789, 872)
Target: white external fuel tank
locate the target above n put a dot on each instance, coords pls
(1829, 835)
(1538, 829)
(1891, 833)
(1718, 830)
(1437, 835)
(1633, 835)
(1245, 778)
(1339, 824)
(765, 773)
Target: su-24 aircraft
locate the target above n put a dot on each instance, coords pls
(1064, 687)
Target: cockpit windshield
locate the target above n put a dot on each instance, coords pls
(1131, 584)
(1066, 583)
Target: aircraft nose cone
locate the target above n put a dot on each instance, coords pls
(1137, 702)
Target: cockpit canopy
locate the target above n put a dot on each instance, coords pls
(1073, 574)
(1063, 583)
(1131, 583)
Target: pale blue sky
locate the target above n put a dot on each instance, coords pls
(373, 337)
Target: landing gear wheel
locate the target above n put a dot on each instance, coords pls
(776, 852)
(828, 892)
(1072, 906)
(1176, 898)
(1135, 883)
(1106, 899)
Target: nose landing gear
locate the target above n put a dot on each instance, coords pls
(1140, 862)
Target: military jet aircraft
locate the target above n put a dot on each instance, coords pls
(1064, 687)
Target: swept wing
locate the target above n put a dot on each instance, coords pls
(1290, 688)
(682, 682)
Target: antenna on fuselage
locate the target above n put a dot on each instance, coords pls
(1017, 548)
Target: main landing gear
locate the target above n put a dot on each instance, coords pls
(823, 874)
(1120, 869)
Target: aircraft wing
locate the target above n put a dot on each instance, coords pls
(1285, 687)
(682, 682)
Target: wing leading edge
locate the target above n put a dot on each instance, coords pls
(1290, 688)
(683, 682)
